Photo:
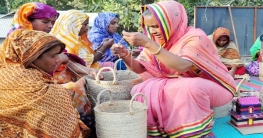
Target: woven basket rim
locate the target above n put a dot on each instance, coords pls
(92, 79)
(142, 107)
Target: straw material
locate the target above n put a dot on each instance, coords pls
(261, 71)
(120, 83)
(120, 119)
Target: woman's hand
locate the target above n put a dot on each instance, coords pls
(119, 50)
(63, 58)
(93, 72)
(135, 52)
(107, 43)
(136, 38)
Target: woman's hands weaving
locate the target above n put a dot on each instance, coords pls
(119, 50)
(136, 38)
(107, 43)
(93, 72)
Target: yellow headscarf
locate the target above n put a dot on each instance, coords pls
(67, 28)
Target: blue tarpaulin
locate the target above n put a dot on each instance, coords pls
(248, 22)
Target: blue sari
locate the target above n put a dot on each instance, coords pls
(100, 31)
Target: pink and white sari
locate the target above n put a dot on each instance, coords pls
(181, 106)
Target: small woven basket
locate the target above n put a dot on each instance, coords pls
(120, 85)
(121, 119)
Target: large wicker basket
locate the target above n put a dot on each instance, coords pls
(120, 84)
(121, 119)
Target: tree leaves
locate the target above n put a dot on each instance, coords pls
(129, 10)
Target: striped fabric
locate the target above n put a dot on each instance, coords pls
(197, 129)
(160, 12)
(67, 28)
(253, 85)
(187, 130)
(169, 113)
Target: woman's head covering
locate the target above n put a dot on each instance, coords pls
(67, 28)
(221, 31)
(100, 28)
(101, 24)
(24, 46)
(100, 31)
(189, 43)
(229, 53)
(31, 103)
(172, 21)
(34, 10)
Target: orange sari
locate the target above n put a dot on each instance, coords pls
(31, 104)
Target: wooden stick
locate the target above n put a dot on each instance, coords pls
(233, 26)
(195, 10)
(255, 23)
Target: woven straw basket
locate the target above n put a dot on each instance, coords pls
(121, 119)
(120, 84)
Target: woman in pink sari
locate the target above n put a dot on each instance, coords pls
(188, 76)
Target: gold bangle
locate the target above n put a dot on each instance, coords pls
(157, 52)
(126, 55)
(100, 52)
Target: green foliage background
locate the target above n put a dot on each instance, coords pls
(129, 10)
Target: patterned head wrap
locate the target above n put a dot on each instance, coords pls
(31, 104)
(24, 46)
(221, 31)
(34, 10)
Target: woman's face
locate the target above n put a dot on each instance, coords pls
(154, 28)
(48, 61)
(44, 25)
(222, 41)
(113, 25)
(85, 27)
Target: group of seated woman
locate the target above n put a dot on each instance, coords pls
(178, 58)
(76, 59)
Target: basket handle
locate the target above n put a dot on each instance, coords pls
(245, 78)
(98, 97)
(131, 102)
(97, 79)
(116, 64)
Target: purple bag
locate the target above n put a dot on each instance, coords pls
(248, 105)
(253, 68)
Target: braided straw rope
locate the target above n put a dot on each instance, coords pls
(120, 86)
(120, 119)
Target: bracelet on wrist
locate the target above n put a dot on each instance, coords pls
(126, 55)
(157, 52)
(100, 52)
